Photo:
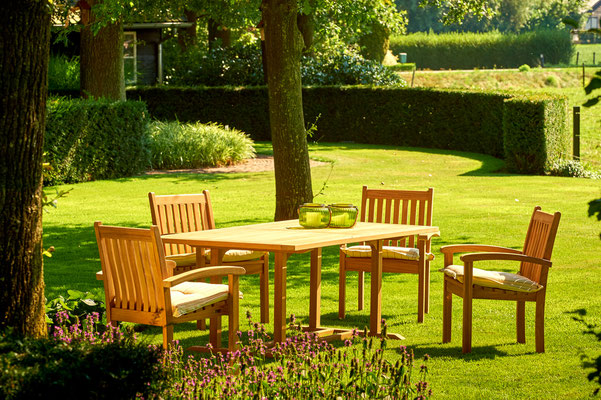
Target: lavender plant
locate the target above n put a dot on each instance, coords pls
(302, 367)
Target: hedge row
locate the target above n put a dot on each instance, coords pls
(459, 120)
(95, 139)
(484, 50)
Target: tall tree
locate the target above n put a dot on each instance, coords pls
(101, 58)
(283, 48)
(24, 47)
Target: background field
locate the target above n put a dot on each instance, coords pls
(472, 203)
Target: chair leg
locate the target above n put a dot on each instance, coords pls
(539, 329)
(521, 321)
(467, 324)
(215, 332)
(421, 291)
(167, 336)
(447, 313)
(360, 290)
(342, 287)
(264, 283)
(233, 315)
(427, 289)
(201, 324)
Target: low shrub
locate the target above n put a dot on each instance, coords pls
(79, 363)
(448, 119)
(194, 145)
(524, 68)
(484, 50)
(572, 168)
(63, 73)
(76, 305)
(95, 139)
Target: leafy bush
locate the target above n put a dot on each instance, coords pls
(95, 139)
(303, 368)
(347, 69)
(484, 50)
(572, 168)
(535, 133)
(458, 120)
(78, 363)
(77, 306)
(63, 73)
(194, 145)
(524, 68)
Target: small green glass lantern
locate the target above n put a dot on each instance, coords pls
(313, 215)
(343, 215)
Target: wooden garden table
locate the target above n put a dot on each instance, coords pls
(287, 237)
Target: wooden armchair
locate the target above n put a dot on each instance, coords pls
(393, 207)
(139, 286)
(194, 212)
(529, 285)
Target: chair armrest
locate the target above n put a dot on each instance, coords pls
(171, 265)
(470, 248)
(202, 273)
(99, 276)
(429, 236)
(505, 256)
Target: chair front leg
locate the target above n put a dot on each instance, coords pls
(360, 290)
(539, 329)
(467, 306)
(521, 321)
(167, 336)
(264, 283)
(421, 290)
(447, 312)
(215, 332)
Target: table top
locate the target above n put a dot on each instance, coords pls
(289, 236)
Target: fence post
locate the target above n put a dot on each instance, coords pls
(576, 128)
(583, 83)
(577, 56)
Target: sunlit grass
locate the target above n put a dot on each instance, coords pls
(472, 203)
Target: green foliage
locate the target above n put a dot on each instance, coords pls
(76, 304)
(524, 68)
(194, 145)
(54, 369)
(402, 67)
(535, 133)
(95, 139)
(552, 81)
(572, 168)
(460, 120)
(63, 73)
(484, 50)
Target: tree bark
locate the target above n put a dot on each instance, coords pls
(186, 37)
(218, 31)
(283, 47)
(101, 58)
(25, 33)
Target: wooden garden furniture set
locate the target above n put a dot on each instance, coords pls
(152, 276)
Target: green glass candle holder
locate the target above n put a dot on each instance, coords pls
(313, 215)
(343, 215)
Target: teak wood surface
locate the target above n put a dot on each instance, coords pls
(286, 237)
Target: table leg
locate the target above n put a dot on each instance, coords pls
(315, 290)
(279, 297)
(376, 288)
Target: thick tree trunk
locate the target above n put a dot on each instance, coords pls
(283, 47)
(101, 59)
(25, 33)
(218, 31)
(186, 37)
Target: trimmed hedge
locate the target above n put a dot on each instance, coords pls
(456, 120)
(95, 139)
(484, 50)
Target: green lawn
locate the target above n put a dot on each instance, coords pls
(589, 54)
(472, 203)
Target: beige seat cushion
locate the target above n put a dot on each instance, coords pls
(400, 253)
(494, 279)
(189, 259)
(188, 297)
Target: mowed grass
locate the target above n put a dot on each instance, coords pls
(564, 81)
(589, 54)
(472, 204)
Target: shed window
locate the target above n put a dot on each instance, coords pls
(129, 58)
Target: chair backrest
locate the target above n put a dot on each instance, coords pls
(407, 207)
(539, 243)
(133, 267)
(181, 213)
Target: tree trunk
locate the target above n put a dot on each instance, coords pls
(25, 33)
(218, 31)
(186, 37)
(101, 59)
(307, 28)
(283, 47)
